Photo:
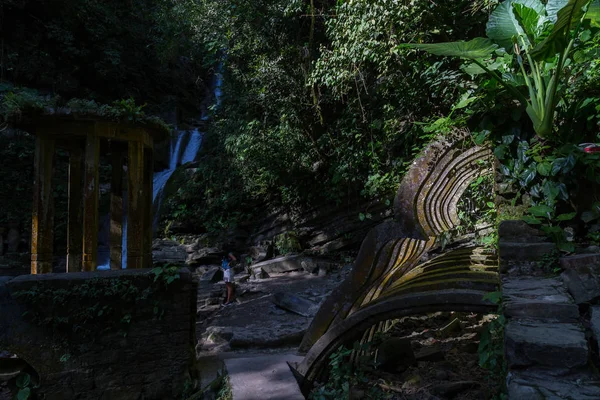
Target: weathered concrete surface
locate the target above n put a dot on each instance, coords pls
(559, 345)
(539, 299)
(130, 354)
(525, 251)
(263, 377)
(577, 260)
(517, 231)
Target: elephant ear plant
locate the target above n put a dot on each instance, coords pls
(540, 37)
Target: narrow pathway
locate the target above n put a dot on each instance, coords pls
(263, 377)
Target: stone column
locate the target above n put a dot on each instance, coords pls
(148, 193)
(116, 210)
(75, 223)
(42, 229)
(90, 203)
(135, 205)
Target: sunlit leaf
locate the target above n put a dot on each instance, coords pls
(553, 7)
(473, 49)
(593, 13)
(503, 26)
(529, 19)
(567, 19)
(531, 220)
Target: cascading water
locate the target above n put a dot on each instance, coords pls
(177, 156)
(184, 148)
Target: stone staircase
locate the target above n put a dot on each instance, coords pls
(548, 349)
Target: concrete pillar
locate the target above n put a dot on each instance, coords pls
(135, 205)
(148, 220)
(75, 222)
(90, 203)
(42, 229)
(116, 210)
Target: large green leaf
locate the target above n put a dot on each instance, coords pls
(593, 13)
(473, 49)
(503, 25)
(530, 20)
(553, 7)
(567, 19)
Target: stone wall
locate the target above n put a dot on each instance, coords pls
(102, 335)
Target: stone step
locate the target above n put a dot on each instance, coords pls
(541, 311)
(544, 385)
(516, 251)
(540, 299)
(529, 343)
(546, 289)
(485, 250)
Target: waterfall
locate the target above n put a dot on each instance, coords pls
(177, 157)
(183, 148)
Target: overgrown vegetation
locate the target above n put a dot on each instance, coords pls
(319, 103)
(491, 347)
(346, 377)
(104, 51)
(541, 55)
(96, 306)
(15, 103)
(25, 386)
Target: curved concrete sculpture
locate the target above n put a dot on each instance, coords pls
(351, 329)
(389, 278)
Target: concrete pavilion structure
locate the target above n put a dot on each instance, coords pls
(85, 138)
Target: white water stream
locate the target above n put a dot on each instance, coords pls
(184, 148)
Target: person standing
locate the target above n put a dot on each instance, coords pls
(228, 277)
